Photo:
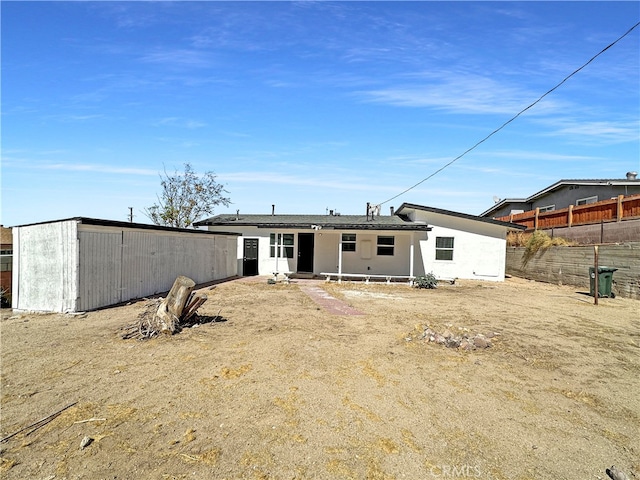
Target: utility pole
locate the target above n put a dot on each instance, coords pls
(131, 214)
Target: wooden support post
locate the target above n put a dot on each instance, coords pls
(619, 211)
(570, 214)
(596, 294)
(535, 220)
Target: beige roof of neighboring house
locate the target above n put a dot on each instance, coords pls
(6, 237)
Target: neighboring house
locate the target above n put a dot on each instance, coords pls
(6, 265)
(565, 193)
(83, 263)
(413, 241)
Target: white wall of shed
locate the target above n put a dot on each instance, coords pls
(69, 267)
(45, 274)
(121, 264)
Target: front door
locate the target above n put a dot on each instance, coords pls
(250, 257)
(305, 252)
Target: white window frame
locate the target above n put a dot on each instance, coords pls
(586, 200)
(281, 246)
(445, 249)
(389, 248)
(349, 245)
(548, 208)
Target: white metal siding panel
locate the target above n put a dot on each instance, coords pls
(66, 266)
(152, 261)
(100, 272)
(47, 279)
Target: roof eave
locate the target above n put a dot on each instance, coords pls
(466, 216)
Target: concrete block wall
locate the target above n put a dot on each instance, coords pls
(570, 266)
(609, 232)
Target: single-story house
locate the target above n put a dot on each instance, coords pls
(414, 240)
(565, 193)
(80, 263)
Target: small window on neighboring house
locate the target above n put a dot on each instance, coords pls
(444, 248)
(348, 242)
(284, 245)
(584, 201)
(548, 208)
(385, 245)
(6, 260)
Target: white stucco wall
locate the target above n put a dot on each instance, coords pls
(366, 260)
(326, 252)
(266, 264)
(70, 266)
(479, 248)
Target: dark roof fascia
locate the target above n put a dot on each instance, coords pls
(466, 216)
(327, 222)
(119, 224)
(345, 226)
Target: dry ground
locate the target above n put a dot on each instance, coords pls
(283, 390)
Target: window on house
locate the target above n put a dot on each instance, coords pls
(585, 201)
(348, 242)
(385, 245)
(548, 208)
(6, 260)
(283, 242)
(444, 248)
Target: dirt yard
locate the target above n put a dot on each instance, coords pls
(281, 389)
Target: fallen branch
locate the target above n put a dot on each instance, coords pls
(39, 424)
(190, 311)
(91, 420)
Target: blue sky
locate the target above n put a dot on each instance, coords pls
(310, 105)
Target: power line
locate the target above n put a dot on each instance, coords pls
(514, 117)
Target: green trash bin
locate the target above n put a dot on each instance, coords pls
(605, 279)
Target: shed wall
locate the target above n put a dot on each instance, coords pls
(122, 264)
(70, 266)
(45, 274)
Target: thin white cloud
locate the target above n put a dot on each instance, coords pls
(70, 117)
(307, 180)
(178, 57)
(95, 168)
(536, 156)
(460, 93)
(596, 132)
(179, 122)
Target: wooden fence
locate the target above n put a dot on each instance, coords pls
(613, 210)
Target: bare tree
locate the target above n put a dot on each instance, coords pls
(186, 197)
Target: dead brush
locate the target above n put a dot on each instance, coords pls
(540, 241)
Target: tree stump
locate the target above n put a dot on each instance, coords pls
(170, 309)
